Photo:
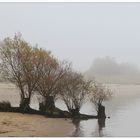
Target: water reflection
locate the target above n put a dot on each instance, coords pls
(80, 128)
(101, 125)
(78, 131)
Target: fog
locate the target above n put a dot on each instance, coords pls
(108, 70)
(78, 32)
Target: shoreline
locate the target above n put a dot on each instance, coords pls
(31, 125)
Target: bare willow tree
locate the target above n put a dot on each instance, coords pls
(99, 93)
(11, 51)
(20, 64)
(47, 85)
(74, 90)
(31, 61)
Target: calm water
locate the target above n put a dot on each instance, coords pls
(123, 110)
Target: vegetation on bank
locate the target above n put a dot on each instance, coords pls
(36, 71)
(108, 70)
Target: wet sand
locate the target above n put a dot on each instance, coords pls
(17, 124)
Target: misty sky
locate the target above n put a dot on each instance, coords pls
(79, 32)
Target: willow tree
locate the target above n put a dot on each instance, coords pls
(99, 93)
(74, 90)
(20, 64)
(31, 61)
(48, 83)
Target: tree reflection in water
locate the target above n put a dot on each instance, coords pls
(78, 131)
(101, 125)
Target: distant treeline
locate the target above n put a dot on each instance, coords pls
(108, 70)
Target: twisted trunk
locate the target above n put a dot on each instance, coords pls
(101, 111)
(48, 105)
(25, 103)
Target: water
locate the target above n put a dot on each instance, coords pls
(124, 113)
(123, 110)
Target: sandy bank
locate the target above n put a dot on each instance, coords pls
(17, 124)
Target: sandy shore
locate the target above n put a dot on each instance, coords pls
(17, 124)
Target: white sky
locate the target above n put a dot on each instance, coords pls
(79, 32)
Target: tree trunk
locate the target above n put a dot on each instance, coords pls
(48, 105)
(101, 111)
(24, 105)
(74, 112)
(25, 101)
